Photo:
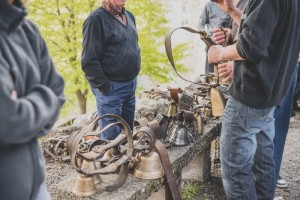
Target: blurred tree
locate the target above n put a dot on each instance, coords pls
(60, 22)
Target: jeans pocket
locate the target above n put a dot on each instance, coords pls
(261, 114)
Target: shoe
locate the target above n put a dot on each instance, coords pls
(281, 183)
(292, 120)
(278, 198)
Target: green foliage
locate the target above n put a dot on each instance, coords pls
(60, 22)
(152, 27)
(190, 191)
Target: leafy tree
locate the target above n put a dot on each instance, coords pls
(61, 21)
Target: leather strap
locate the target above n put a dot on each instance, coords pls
(172, 191)
(168, 45)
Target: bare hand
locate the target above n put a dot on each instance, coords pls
(214, 54)
(14, 95)
(225, 71)
(221, 36)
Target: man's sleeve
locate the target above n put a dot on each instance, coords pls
(257, 29)
(92, 49)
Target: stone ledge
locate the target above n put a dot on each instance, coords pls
(135, 188)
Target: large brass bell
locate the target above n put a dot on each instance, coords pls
(84, 186)
(149, 166)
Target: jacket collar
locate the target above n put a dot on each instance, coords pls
(10, 16)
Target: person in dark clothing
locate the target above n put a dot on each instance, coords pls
(265, 57)
(297, 92)
(31, 95)
(282, 114)
(210, 17)
(111, 62)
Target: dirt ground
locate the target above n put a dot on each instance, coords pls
(290, 171)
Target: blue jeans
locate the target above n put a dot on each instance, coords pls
(247, 151)
(282, 118)
(42, 193)
(120, 100)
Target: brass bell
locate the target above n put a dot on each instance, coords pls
(200, 123)
(90, 165)
(172, 110)
(84, 186)
(217, 102)
(149, 166)
(181, 138)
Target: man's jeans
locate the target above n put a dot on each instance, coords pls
(247, 152)
(282, 117)
(120, 100)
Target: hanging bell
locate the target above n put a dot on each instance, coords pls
(84, 186)
(149, 166)
(172, 110)
(181, 138)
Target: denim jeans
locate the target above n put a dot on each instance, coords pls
(120, 100)
(42, 193)
(282, 118)
(247, 151)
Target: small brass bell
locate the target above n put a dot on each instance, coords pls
(200, 123)
(149, 166)
(172, 110)
(84, 186)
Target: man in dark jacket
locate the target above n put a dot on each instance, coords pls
(265, 57)
(111, 61)
(31, 95)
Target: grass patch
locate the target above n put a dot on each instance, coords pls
(190, 191)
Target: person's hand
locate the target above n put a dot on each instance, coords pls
(226, 5)
(225, 71)
(14, 95)
(214, 54)
(221, 36)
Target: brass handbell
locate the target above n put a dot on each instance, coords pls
(149, 166)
